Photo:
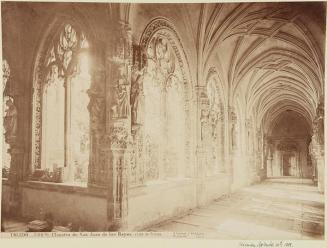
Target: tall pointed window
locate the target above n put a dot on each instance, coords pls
(64, 116)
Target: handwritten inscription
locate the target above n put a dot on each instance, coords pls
(264, 244)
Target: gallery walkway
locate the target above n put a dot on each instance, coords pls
(285, 208)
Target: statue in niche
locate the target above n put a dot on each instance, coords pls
(204, 119)
(165, 58)
(121, 106)
(213, 121)
(10, 119)
(137, 96)
(212, 95)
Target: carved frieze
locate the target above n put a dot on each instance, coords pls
(119, 137)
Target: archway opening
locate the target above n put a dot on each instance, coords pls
(289, 140)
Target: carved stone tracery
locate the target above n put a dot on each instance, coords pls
(58, 60)
(158, 70)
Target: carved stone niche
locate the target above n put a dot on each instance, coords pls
(121, 100)
(233, 131)
(205, 125)
(137, 96)
(10, 121)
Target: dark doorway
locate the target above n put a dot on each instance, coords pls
(287, 164)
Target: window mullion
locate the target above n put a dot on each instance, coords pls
(67, 144)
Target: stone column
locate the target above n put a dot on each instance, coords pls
(251, 162)
(119, 63)
(14, 131)
(200, 170)
(120, 140)
(99, 147)
(318, 146)
(221, 141)
(232, 141)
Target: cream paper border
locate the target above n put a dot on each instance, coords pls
(165, 240)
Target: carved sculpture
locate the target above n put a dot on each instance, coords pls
(204, 119)
(214, 122)
(137, 97)
(121, 108)
(10, 119)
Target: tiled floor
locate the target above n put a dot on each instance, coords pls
(285, 208)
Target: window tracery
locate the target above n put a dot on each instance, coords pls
(61, 116)
(158, 106)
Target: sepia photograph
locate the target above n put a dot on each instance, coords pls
(196, 120)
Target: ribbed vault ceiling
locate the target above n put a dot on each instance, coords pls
(268, 53)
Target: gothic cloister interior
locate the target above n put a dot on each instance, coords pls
(161, 117)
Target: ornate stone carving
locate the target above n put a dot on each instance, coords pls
(121, 107)
(58, 60)
(137, 97)
(5, 74)
(10, 120)
(10, 110)
(233, 121)
(119, 138)
(162, 27)
(122, 60)
(204, 119)
(318, 126)
(161, 72)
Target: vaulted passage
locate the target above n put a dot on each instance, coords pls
(289, 147)
(121, 116)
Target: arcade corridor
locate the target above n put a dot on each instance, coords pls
(279, 208)
(128, 116)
